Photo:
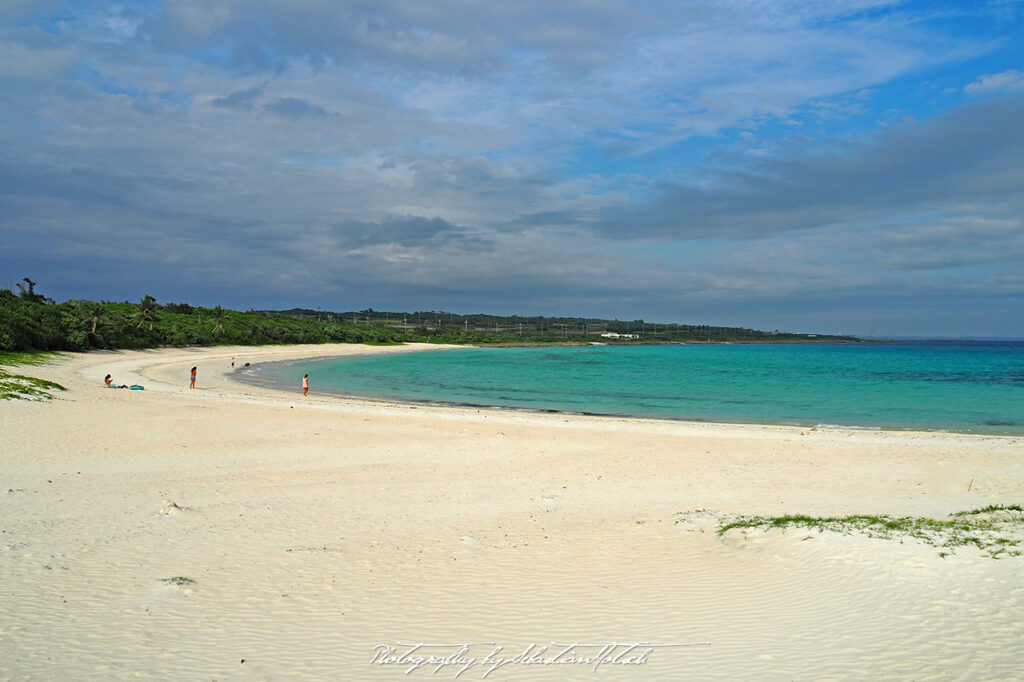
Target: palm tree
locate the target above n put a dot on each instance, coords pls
(220, 316)
(147, 311)
(30, 291)
(93, 312)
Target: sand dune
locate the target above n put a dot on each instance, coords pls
(233, 532)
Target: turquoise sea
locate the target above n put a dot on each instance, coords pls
(955, 386)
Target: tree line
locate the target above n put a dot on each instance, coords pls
(31, 321)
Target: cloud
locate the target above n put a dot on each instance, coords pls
(1011, 81)
(294, 107)
(12, 11)
(662, 157)
(250, 58)
(970, 158)
(406, 232)
(241, 99)
(27, 63)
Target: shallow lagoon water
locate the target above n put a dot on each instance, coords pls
(958, 386)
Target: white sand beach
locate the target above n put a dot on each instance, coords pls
(235, 532)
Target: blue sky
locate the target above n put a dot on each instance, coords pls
(851, 167)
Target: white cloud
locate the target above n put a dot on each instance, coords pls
(21, 62)
(1006, 82)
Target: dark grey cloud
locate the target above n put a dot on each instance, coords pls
(241, 99)
(250, 58)
(13, 11)
(294, 107)
(409, 231)
(970, 157)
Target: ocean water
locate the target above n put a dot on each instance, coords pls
(956, 386)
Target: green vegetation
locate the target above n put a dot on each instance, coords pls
(992, 535)
(26, 358)
(992, 508)
(540, 329)
(30, 321)
(35, 323)
(179, 580)
(21, 387)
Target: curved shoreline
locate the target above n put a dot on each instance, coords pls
(166, 370)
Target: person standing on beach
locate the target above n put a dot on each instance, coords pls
(305, 384)
(232, 363)
(192, 384)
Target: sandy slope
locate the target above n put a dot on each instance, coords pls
(315, 532)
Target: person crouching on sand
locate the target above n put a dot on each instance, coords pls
(192, 384)
(305, 384)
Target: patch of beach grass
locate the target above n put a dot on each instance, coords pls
(26, 358)
(179, 580)
(994, 530)
(20, 386)
(992, 508)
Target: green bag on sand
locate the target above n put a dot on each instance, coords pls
(138, 388)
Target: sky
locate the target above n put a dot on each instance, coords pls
(838, 166)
